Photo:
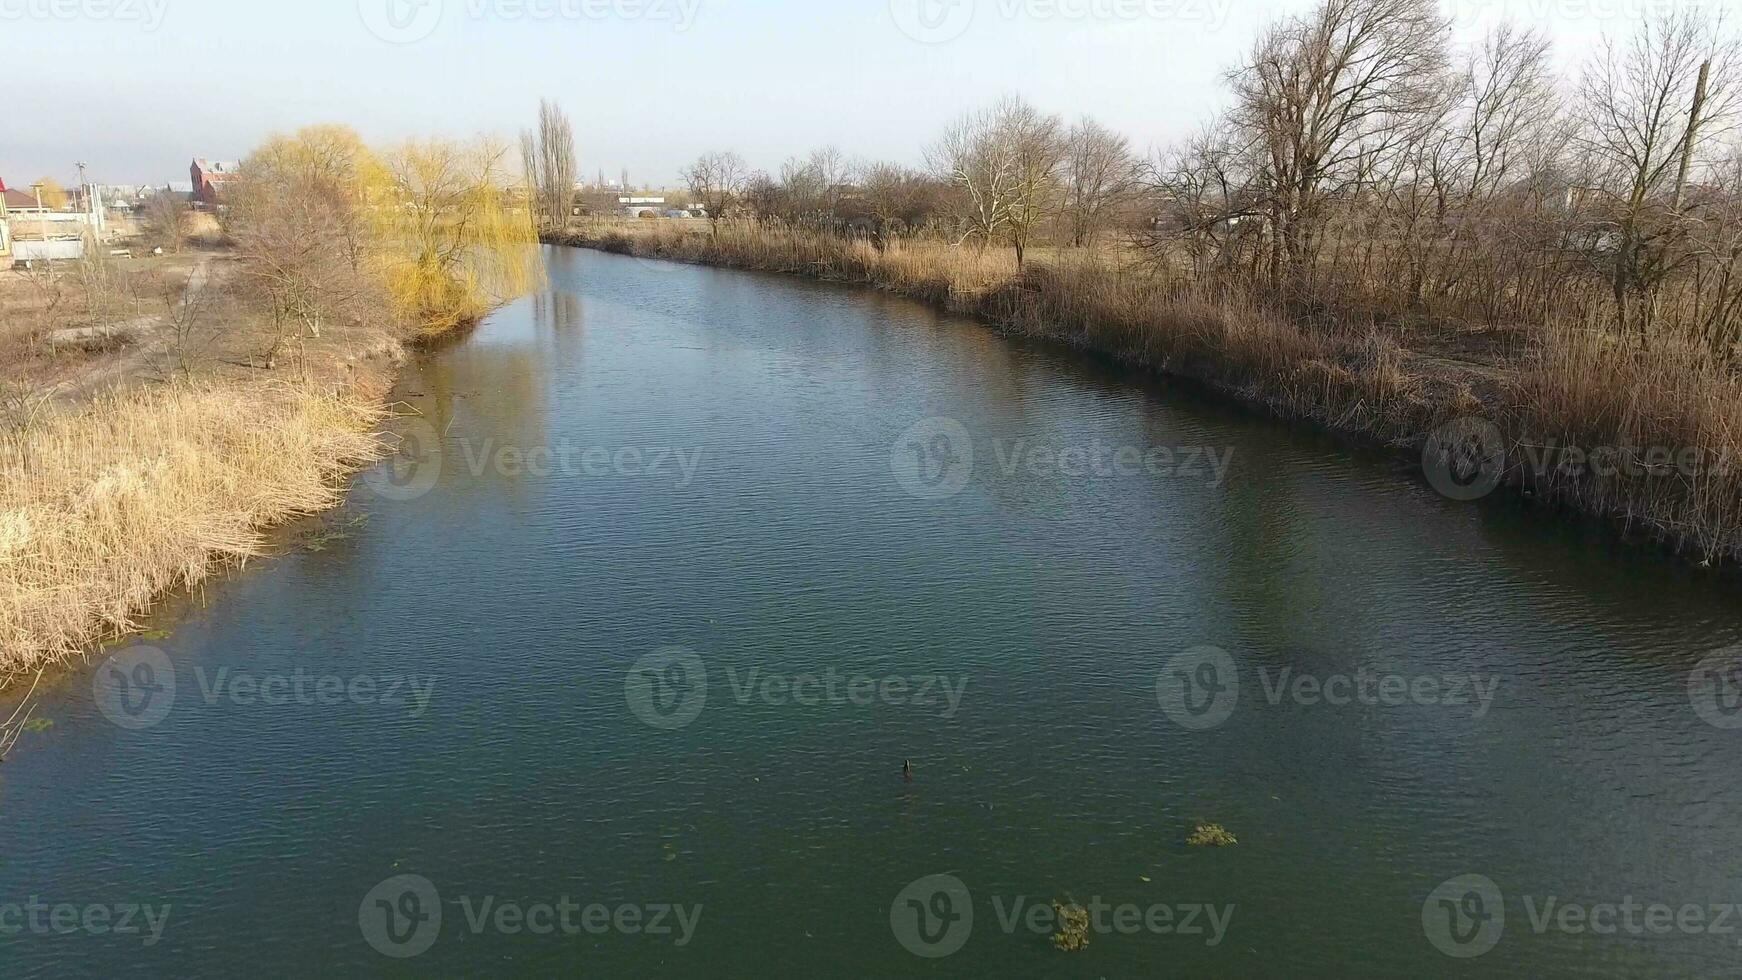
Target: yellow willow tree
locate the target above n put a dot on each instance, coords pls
(450, 246)
(54, 197)
(297, 216)
(326, 162)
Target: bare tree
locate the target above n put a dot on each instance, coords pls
(1647, 106)
(530, 178)
(300, 229)
(809, 190)
(1099, 172)
(831, 173)
(1205, 194)
(165, 220)
(548, 159)
(717, 182)
(1329, 93)
(1004, 163)
(190, 327)
(764, 197)
(325, 162)
(896, 201)
(1510, 108)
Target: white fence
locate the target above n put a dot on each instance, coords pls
(40, 249)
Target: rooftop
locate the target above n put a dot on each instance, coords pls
(217, 169)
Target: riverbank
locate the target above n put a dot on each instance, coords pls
(1564, 414)
(160, 413)
(150, 461)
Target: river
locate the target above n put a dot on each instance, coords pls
(616, 668)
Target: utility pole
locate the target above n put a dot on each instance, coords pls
(1681, 177)
(93, 206)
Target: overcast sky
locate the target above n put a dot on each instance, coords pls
(136, 88)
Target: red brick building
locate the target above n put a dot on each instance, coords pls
(209, 177)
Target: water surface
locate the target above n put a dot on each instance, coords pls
(740, 482)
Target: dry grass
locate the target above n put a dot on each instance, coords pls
(1669, 419)
(107, 505)
(1346, 367)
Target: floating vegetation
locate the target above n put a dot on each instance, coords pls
(320, 539)
(39, 724)
(1211, 835)
(20, 720)
(1073, 927)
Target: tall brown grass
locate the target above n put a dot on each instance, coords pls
(1342, 367)
(1583, 387)
(107, 505)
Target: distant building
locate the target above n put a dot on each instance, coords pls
(30, 231)
(209, 178)
(14, 200)
(639, 207)
(124, 197)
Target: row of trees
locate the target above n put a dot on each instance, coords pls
(1363, 153)
(1363, 158)
(998, 176)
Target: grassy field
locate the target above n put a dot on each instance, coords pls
(154, 422)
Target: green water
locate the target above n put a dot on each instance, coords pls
(617, 666)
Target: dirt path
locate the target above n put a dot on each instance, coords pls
(149, 339)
